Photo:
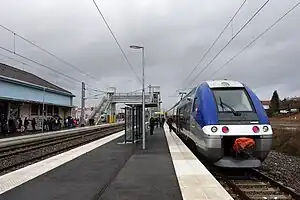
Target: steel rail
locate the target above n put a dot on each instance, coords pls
(88, 136)
(14, 141)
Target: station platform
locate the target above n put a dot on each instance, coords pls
(106, 169)
(30, 132)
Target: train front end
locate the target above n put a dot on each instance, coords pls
(236, 129)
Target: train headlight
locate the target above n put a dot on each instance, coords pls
(214, 129)
(265, 129)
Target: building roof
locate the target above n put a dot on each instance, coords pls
(15, 73)
(265, 103)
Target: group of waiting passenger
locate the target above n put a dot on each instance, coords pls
(160, 121)
(156, 122)
(50, 124)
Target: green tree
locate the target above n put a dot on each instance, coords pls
(274, 104)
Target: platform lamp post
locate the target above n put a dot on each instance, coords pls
(143, 93)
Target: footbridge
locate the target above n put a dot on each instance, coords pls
(106, 109)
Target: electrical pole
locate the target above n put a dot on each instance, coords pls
(82, 103)
(143, 99)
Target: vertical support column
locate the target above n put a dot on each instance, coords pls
(8, 110)
(151, 100)
(8, 116)
(113, 112)
(143, 99)
(52, 110)
(140, 118)
(132, 117)
(43, 110)
(136, 122)
(82, 103)
(126, 123)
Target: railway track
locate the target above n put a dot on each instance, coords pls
(253, 185)
(17, 156)
(247, 184)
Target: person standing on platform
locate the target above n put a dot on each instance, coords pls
(33, 123)
(152, 124)
(162, 122)
(20, 124)
(26, 123)
(170, 122)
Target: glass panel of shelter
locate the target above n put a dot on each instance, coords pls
(133, 124)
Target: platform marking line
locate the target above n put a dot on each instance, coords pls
(20, 176)
(195, 181)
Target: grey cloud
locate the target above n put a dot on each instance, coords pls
(175, 34)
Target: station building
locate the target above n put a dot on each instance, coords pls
(266, 105)
(23, 94)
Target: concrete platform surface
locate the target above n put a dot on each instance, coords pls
(148, 175)
(108, 170)
(79, 178)
(103, 169)
(195, 181)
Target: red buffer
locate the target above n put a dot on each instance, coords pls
(243, 144)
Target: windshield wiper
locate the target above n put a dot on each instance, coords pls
(230, 108)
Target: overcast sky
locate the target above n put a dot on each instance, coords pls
(175, 34)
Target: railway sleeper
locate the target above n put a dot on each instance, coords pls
(267, 197)
(250, 182)
(263, 191)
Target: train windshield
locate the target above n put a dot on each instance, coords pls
(232, 100)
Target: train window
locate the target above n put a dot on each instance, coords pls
(236, 99)
(194, 104)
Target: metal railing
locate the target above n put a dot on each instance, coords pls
(98, 108)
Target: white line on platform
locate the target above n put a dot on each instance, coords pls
(18, 177)
(195, 181)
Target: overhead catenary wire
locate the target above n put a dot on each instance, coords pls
(73, 87)
(215, 41)
(255, 39)
(135, 91)
(95, 89)
(239, 31)
(123, 53)
(47, 67)
(96, 96)
(26, 64)
(46, 51)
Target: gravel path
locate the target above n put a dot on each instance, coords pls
(283, 168)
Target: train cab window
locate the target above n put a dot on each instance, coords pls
(236, 99)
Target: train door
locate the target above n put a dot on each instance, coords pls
(187, 118)
(193, 121)
(195, 126)
(180, 122)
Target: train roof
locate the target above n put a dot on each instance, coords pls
(223, 83)
(212, 84)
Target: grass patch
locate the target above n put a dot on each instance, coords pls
(286, 141)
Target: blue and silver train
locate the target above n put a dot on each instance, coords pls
(217, 113)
